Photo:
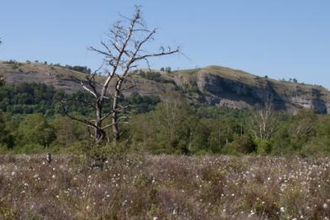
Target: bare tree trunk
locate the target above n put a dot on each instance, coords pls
(264, 121)
(115, 129)
(122, 52)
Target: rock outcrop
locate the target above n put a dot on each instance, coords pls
(214, 85)
(236, 89)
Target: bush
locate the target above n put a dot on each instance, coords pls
(30, 149)
(241, 145)
(263, 147)
(244, 144)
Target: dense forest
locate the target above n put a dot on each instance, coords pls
(32, 120)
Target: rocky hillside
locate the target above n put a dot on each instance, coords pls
(214, 85)
(222, 86)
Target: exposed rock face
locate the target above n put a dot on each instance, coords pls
(215, 85)
(317, 104)
(243, 94)
(311, 99)
(227, 92)
(236, 94)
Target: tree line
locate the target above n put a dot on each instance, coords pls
(32, 119)
(34, 116)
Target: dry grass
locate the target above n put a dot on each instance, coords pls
(59, 77)
(232, 74)
(165, 187)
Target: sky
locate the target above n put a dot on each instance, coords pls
(282, 39)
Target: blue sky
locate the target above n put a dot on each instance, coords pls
(280, 39)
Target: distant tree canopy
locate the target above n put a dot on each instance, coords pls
(174, 126)
(83, 69)
(155, 76)
(28, 98)
(166, 69)
(31, 119)
(31, 116)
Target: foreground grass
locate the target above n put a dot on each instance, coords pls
(165, 187)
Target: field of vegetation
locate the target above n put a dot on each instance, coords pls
(118, 155)
(165, 187)
(174, 161)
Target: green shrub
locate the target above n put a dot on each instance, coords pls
(30, 149)
(244, 144)
(263, 147)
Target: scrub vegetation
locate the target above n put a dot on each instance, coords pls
(165, 187)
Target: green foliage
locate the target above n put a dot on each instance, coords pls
(141, 104)
(83, 69)
(173, 126)
(28, 98)
(241, 145)
(8, 127)
(31, 120)
(222, 132)
(318, 144)
(155, 76)
(34, 129)
(29, 148)
(166, 69)
(295, 132)
(35, 115)
(69, 133)
(14, 63)
(2, 80)
(215, 112)
(263, 146)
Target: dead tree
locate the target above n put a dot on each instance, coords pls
(2, 80)
(264, 121)
(123, 51)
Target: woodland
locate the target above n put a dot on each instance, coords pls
(111, 156)
(32, 121)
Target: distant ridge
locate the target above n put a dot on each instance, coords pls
(208, 86)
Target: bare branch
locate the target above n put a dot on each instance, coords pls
(89, 90)
(76, 118)
(157, 54)
(99, 51)
(114, 123)
(127, 88)
(106, 115)
(122, 51)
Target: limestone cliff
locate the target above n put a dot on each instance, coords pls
(214, 85)
(222, 86)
